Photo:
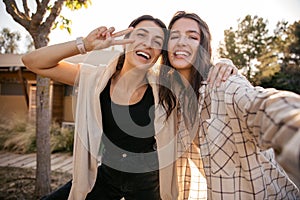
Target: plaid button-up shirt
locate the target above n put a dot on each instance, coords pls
(231, 156)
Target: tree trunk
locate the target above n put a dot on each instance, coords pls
(43, 127)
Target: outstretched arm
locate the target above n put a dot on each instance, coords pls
(49, 61)
(271, 116)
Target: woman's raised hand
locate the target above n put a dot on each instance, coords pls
(104, 37)
(221, 71)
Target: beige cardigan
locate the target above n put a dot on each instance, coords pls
(88, 130)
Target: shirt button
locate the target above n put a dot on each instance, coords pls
(124, 155)
(155, 146)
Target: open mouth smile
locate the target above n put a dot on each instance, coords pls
(143, 54)
(182, 53)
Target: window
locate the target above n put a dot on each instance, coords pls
(11, 89)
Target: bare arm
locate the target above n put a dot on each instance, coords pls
(48, 61)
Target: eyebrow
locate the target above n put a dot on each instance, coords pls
(145, 30)
(189, 31)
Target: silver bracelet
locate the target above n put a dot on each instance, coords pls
(80, 45)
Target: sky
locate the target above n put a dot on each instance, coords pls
(219, 15)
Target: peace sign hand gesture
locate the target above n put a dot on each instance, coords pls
(104, 37)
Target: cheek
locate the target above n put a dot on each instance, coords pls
(170, 45)
(128, 47)
(169, 49)
(170, 56)
(195, 48)
(195, 45)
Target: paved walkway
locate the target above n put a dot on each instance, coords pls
(61, 162)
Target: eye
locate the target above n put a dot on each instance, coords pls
(140, 35)
(174, 36)
(157, 43)
(193, 37)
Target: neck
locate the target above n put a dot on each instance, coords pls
(185, 76)
(130, 79)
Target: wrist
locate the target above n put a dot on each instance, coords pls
(80, 45)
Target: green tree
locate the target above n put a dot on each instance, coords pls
(244, 45)
(9, 41)
(288, 76)
(39, 24)
(294, 47)
(29, 44)
(274, 53)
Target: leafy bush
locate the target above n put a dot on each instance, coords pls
(19, 135)
(61, 139)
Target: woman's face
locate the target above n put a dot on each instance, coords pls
(183, 44)
(147, 47)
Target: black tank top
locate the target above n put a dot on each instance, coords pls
(130, 127)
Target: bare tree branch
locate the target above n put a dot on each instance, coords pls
(41, 10)
(26, 9)
(43, 6)
(12, 9)
(37, 3)
(55, 11)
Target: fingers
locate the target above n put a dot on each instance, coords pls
(109, 31)
(123, 41)
(103, 37)
(231, 68)
(215, 76)
(113, 36)
(235, 70)
(220, 73)
(210, 74)
(109, 35)
(227, 70)
(123, 32)
(224, 71)
(103, 31)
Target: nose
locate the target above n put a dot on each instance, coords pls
(147, 42)
(182, 40)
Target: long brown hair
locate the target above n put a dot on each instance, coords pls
(199, 70)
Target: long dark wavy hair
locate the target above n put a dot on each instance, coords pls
(199, 69)
(134, 23)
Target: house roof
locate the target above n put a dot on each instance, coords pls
(98, 57)
(10, 60)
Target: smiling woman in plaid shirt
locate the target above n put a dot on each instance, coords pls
(232, 138)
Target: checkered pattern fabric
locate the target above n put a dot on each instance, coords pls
(231, 155)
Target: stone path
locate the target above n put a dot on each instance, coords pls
(61, 162)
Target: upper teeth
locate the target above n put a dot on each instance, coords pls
(143, 54)
(181, 53)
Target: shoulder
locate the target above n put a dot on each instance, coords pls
(89, 72)
(153, 75)
(236, 81)
(88, 68)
